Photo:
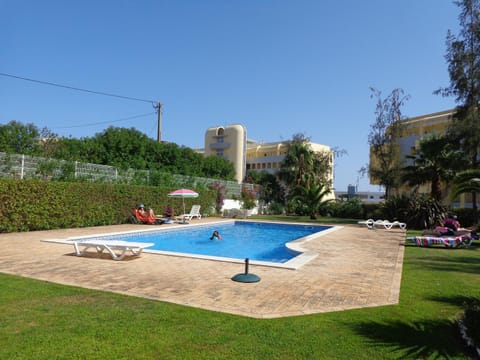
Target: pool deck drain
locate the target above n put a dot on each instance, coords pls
(355, 268)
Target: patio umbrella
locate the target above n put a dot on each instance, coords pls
(183, 193)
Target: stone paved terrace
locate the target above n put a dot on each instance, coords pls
(355, 268)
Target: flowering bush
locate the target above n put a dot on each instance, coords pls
(247, 198)
(219, 200)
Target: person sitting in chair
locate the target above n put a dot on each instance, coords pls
(147, 216)
(143, 211)
(169, 213)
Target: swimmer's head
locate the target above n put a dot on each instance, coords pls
(215, 235)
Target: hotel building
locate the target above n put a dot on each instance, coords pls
(231, 143)
(413, 131)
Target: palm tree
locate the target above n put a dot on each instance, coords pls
(312, 196)
(297, 163)
(436, 162)
(467, 181)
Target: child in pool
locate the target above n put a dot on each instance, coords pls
(216, 234)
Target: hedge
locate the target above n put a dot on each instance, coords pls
(28, 205)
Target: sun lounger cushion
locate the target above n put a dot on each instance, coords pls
(447, 241)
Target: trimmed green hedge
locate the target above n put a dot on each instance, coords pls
(28, 205)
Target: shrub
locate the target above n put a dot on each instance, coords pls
(351, 209)
(466, 217)
(470, 324)
(275, 208)
(220, 190)
(372, 211)
(396, 208)
(28, 205)
(424, 212)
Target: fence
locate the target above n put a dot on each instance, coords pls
(19, 166)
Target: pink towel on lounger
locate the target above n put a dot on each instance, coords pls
(448, 241)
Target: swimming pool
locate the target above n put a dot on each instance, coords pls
(261, 242)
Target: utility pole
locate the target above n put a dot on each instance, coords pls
(159, 114)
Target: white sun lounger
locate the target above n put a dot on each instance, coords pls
(388, 225)
(371, 224)
(111, 246)
(194, 213)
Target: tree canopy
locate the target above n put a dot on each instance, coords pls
(305, 175)
(384, 132)
(16, 137)
(463, 58)
(436, 163)
(120, 147)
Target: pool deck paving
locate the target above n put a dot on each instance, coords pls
(355, 268)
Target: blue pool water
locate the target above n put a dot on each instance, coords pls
(240, 240)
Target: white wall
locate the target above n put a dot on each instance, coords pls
(229, 204)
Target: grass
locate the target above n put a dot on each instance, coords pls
(41, 320)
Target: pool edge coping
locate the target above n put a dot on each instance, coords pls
(295, 263)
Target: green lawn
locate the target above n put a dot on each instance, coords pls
(40, 320)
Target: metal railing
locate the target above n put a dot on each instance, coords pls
(19, 166)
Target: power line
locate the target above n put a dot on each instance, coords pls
(154, 103)
(105, 122)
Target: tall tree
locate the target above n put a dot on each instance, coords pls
(463, 57)
(17, 138)
(305, 174)
(123, 148)
(218, 168)
(297, 163)
(303, 166)
(384, 165)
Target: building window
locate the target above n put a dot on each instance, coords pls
(220, 153)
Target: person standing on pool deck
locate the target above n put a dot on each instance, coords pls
(216, 235)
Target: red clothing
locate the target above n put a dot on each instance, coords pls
(144, 219)
(451, 223)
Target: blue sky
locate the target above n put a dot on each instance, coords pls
(278, 67)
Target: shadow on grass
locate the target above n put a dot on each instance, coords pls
(455, 300)
(416, 340)
(439, 247)
(463, 260)
(461, 264)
